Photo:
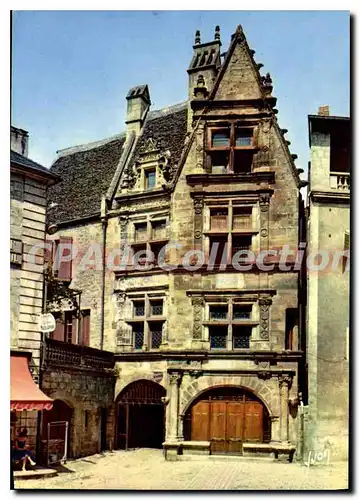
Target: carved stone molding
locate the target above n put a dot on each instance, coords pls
(264, 233)
(264, 375)
(285, 380)
(264, 304)
(197, 234)
(198, 205)
(264, 201)
(198, 305)
(175, 378)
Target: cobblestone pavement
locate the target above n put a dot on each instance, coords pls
(147, 469)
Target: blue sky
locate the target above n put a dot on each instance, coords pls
(71, 70)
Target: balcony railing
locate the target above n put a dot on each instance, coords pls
(77, 356)
(340, 181)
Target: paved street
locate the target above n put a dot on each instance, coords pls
(146, 469)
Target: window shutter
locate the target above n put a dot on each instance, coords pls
(49, 252)
(65, 267)
(58, 333)
(85, 328)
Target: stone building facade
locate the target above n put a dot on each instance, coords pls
(328, 327)
(208, 352)
(29, 183)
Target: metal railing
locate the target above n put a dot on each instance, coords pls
(77, 356)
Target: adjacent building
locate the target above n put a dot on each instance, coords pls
(29, 183)
(208, 354)
(328, 284)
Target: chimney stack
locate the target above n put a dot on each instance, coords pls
(324, 111)
(19, 141)
(138, 105)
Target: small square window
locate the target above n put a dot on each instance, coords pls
(241, 243)
(241, 312)
(241, 337)
(140, 231)
(156, 308)
(241, 217)
(158, 229)
(218, 312)
(218, 219)
(218, 337)
(243, 137)
(150, 179)
(139, 308)
(220, 138)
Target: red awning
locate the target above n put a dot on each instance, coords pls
(25, 394)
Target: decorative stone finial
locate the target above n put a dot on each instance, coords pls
(217, 33)
(197, 37)
(239, 30)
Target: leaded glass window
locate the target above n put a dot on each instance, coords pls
(218, 337)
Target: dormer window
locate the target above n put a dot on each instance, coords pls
(150, 178)
(230, 149)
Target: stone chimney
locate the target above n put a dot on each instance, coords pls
(19, 140)
(138, 105)
(203, 68)
(324, 111)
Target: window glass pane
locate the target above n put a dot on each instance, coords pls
(243, 161)
(218, 337)
(241, 217)
(218, 312)
(218, 218)
(156, 308)
(156, 335)
(241, 311)
(158, 229)
(150, 179)
(140, 231)
(219, 162)
(241, 243)
(243, 137)
(220, 138)
(139, 308)
(219, 245)
(138, 332)
(241, 337)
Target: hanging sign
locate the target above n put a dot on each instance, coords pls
(47, 323)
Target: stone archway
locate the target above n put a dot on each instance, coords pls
(140, 415)
(266, 391)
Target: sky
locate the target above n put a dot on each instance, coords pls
(71, 70)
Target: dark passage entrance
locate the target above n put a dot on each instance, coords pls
(140, 416)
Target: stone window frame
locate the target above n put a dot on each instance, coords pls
(230, 302)
(231, 148)
(230, 203)
(149, 242)
(148, 318)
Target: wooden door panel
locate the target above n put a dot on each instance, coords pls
(218, 426)
(235, 426)
(253, 428)
(200, 421)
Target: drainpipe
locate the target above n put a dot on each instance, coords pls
(104, 222)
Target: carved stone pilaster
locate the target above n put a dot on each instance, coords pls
(264, 305)
(198, 222)
(198, 307)
(198, 206)
(175, 378)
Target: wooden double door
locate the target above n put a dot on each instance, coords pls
(227, 424)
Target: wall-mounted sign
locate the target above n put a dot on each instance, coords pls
(47, 323)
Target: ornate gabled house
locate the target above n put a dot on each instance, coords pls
(207, 343)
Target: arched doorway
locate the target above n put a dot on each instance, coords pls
(227, 417)
(140, 416)
(55, 437)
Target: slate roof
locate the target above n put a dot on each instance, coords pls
(23, 161)
(86, 175)
(86, 171)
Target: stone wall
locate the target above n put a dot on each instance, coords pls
(83, 392)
